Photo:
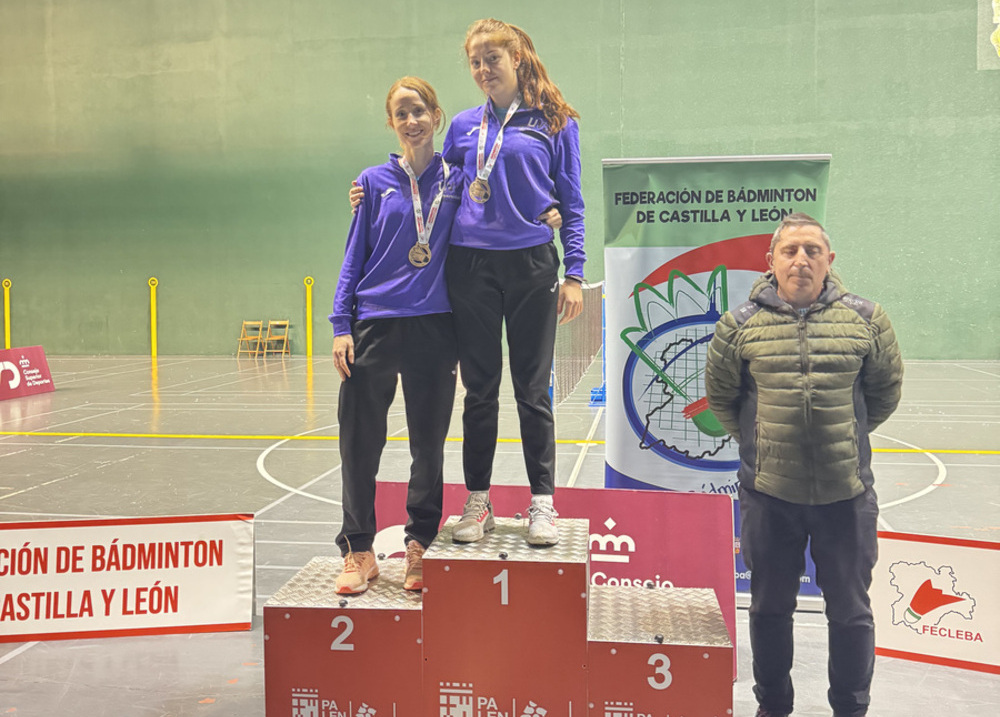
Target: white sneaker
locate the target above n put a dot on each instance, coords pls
(477, 518)
(542, 522)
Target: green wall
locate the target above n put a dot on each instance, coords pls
(210, 143)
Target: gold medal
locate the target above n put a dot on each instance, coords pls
(420, 255)
(479, 190)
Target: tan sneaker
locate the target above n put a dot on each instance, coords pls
(477, 518)
(359, 569)
(414, 566)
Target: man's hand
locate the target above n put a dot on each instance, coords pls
(343, 355)
(570, 301)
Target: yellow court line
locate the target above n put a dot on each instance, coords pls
(265, 437)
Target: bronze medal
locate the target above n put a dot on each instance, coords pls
(420, 255)
(479, 190)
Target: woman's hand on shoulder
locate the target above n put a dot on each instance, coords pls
(355, 195)
(570, 300)
(343, 355)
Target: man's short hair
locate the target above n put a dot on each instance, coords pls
(798, 219)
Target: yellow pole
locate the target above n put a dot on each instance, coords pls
(6, 313)
(308, 281)
(152, 315)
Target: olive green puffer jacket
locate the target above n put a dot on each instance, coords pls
(800, 393)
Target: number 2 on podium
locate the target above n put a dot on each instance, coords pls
(340, 642)
(503, 579)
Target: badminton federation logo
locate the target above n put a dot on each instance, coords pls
(927, 596)
(663, 377)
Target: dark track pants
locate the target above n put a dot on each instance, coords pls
(421, 350)
(518, 288)
(843, 546)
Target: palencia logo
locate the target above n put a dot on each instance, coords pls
(306, 702)
(619, 709)
(458, 699)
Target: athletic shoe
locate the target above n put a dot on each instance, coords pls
(542, 522)
(414, 566)
(359, 569)
(477, 518)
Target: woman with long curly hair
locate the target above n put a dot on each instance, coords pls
(521, 156)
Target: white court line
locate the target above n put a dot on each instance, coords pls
(99, 374)
(296, 491)
(584, 448)
(37, 486)
(942, 474)
(296, 522)
(89, 516)
(903, 418)
(977, 370)
(14, 653)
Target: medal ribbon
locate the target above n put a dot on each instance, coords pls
(423, 231)
(483, 168)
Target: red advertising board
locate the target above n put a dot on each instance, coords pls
(24, 372)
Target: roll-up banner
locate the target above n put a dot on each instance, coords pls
(685, 238)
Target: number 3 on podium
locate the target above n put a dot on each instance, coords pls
(661, 677)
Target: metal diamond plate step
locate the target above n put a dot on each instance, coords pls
(313, 586)
(680, 616)
(509, 539)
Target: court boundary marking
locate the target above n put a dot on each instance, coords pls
(450, 439)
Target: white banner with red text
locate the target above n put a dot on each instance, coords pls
(125, 576)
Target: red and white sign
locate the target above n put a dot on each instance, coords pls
(24, 372)
(128, 576)
(637, 537)
(937, 600)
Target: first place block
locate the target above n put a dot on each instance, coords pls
(505, 623)
(329, 655)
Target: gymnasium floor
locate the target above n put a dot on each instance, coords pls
(210, 435)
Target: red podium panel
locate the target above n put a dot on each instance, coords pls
(505, 624)
(327, 655)
(658, 652)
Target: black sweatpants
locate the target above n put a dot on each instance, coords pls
(843, 543)
(421, 350)
(518, 288)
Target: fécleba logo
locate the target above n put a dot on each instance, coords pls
(926, 600)
(930, 601)
(306, 702)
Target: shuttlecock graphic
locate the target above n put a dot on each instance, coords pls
(926, 599)
(683, 295)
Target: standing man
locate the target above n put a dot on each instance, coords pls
(800, 375)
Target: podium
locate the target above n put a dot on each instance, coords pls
(328, 655)
(502, 629)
